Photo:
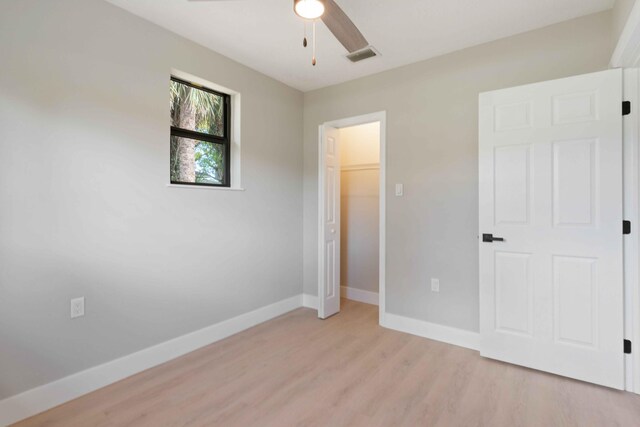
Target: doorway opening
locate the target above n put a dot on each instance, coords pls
(351, 212)
(359, 212)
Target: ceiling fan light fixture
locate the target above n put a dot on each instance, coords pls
(308, 9)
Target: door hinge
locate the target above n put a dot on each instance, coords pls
(627, 347)
(626, 108)
(626, 227)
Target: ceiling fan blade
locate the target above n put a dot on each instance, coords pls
(342, 27)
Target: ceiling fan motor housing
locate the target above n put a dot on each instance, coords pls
(308, 9)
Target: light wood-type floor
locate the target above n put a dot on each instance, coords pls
(297, 370)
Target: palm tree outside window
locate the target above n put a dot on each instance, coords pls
(200, 149)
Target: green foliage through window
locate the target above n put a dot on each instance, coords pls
(199, 135)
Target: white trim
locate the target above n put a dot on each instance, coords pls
(236, 152)
(321, 203)
(631, 159)
(382, 274)
(627, 51)
(310, 301)
(359, 295)
(204, 187)
(381, 117)
(39, 399)
(433, 331)
(363, 167)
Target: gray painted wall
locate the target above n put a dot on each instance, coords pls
(359, 229)
(432, 148)
(619, 14)
(84, 209)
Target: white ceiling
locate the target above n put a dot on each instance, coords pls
(266, 35)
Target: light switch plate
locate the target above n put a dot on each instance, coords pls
(399, 189)
(77, 307)
(435, 285)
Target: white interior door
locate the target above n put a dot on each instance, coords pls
(329, 296)
(551, 293)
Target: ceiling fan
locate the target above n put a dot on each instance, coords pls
(336, 21)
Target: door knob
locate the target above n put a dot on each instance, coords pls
(489, 238)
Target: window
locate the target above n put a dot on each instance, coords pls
(200, 148)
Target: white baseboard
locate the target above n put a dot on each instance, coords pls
(360, 295)
(310, 301)
(455, 336)
(39, 399)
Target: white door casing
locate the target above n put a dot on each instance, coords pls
(326, 129)
(329, 300)
(551, 293)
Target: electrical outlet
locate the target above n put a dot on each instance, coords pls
(435, 285)
(77, 307)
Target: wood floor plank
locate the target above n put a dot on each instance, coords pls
(297, 370)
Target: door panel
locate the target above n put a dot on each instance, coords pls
(330, 288)
(512, 184)
(514, 297)
(551, 293)
(575, 108)
(329, 297)
(575, 199)
(513, 116)
(575, 296)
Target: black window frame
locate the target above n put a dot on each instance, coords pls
(224, 140)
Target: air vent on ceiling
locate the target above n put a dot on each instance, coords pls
(364, 53)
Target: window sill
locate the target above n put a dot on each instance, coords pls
(204, 187)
